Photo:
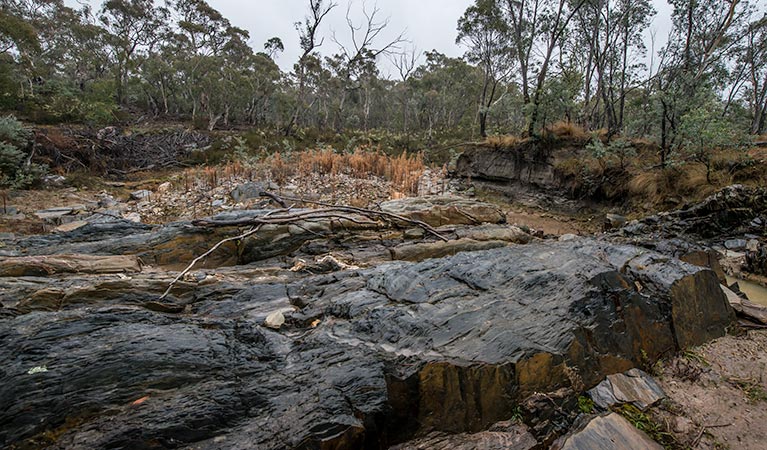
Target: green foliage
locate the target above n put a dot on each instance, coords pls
(16, 172)
(645, 422)
(585, 405)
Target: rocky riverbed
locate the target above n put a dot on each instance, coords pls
(430, 324)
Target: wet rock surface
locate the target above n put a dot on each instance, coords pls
(365, 358)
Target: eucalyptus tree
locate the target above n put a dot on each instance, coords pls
(310, 40)
(753, 59)
(134, 26)
(484, 30)
(693, 64)
(613, 33)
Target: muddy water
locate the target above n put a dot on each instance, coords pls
(755, 292)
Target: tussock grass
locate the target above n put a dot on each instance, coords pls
(568, 130)
(503, 141)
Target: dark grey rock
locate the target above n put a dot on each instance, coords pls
(247, 191)
(141, 195)
(368, 358)
(635, 387)
(736, 244)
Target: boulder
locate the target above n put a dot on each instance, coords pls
(525, 165)
(501, 436)
(427, 250)
(56, 264)
(440, 211)
(247, 191)
(142, 194)
(365, 358)
(609, 432)
(635, 387)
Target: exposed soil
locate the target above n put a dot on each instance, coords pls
(719, 392)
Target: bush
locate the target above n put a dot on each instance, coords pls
(16, 171)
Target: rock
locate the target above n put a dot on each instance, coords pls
(502, 436)
(106, 201)
(440, 249)
(756, 261)
(49, 265)
(164, 188)
(489, 232)
(525, 164)
(247, 191)
(71, 226)
(415, 233)
(726, 213)
(704, 258)
(753, 245)
(402, 350)
(217, 203)
(142, 194)
(54, 213)
(132, 217)
(9, 211)
(275, 320)
(609, 432)
(568, 237)
(745, 308)
(736, 244)
(614, 221)
(54, 180)
(635, 387)
(440, 211)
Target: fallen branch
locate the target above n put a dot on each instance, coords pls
(362, 211)
(191, 265)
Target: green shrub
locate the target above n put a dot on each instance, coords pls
(16, 171)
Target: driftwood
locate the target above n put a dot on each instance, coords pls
(361, 211)
(49, 265)
(351, 214)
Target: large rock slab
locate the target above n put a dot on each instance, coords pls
(49, 265)
(446, 210)
(365, 358)
(525, 164)
(611, 432)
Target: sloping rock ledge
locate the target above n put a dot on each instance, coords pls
(366, 358)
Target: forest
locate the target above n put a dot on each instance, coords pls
(527, 65)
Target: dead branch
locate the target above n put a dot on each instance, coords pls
(191, 265)
(367, 213)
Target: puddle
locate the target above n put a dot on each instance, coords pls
(755, 292)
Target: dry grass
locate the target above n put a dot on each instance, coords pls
(403, 171)
(503, 141)
(568, 130)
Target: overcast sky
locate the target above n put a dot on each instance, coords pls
(428, 24)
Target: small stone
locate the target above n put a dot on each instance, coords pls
(275, 320)
(53, 213)
(107, 201)
(9, 211)
(753, 245)
(615, 221)
(414, 233)
(736, 244)
(165, 187)
(217, 203)
(567, 237)
(132, 217)
(71, 226)
(140, 195)
(54, 180)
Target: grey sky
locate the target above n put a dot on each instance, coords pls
(428, 24)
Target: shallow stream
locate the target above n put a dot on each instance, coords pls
(755, 292)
